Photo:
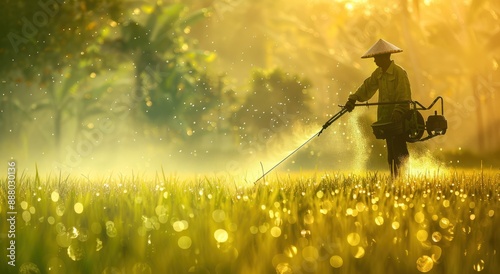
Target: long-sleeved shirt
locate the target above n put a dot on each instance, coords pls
(393, 85)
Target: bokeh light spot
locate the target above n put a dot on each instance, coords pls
(54, 196)
(218, 215)
(425, 264)
(353, 239)
(419, 217)
(336, 261)
(184, 242)
(221, 235)
(276, 231)
(422, 235)
(78, 207)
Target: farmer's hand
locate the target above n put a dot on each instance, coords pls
(350, 104)
(397, 116)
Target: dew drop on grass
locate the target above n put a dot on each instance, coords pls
(180, 225)
(51, 220)
(254, 229)
(218, 215)
(422, 235)
(291, 251)
(446, 203)
(26, 216)
(419, 217)
(184, 242)
(436, 236)
(379, 220)
(479, 266)
(221, 235)
(359, 252)
(54, 196)
(75, 252)
(111, 229)
(336, 261)
(60, 210)
(444, 223)
(310, 253)
(395, 225)
(276, 232)
(424, 264)
(491, 213)
(78, 207)
(24, 205)
(353, 239)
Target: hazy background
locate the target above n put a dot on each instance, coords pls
(221, 86)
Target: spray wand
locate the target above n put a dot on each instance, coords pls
(326, 125)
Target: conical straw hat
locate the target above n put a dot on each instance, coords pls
(381, 47)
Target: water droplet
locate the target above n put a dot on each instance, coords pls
(419, 217)
(424, 263)
(54, 196)
(479, 266)
(221, 235)
(180, 225)
(359, 252)
(422, 235)
(379, 220)
(78, 207)
(184, 242)
(24, 205)
(336, 261)
(436, 236)
(310, 253)
(444, 223)
(26, 216)
(60, 210)
(111, 229)
(353, 239)
(75, 251)
(218, 215)
(276, 231)
(395, 225)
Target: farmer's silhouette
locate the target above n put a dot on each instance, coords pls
(393, 85)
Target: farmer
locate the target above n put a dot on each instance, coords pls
(393, 85)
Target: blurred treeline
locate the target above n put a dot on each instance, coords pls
(218, 76)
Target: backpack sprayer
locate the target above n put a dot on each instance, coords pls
(412, 126)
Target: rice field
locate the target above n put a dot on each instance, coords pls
(288, 223)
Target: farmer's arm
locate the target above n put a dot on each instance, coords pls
(367, 89)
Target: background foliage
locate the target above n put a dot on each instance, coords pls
(206, 82)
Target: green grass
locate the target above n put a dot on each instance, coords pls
(301, 223)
